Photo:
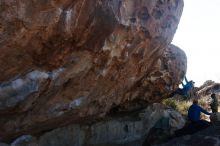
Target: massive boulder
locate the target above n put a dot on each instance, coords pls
(70, 61)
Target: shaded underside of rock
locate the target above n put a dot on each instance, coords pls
(71, 61)
(126, 130)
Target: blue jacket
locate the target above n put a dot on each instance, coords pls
(194, 112)
(186, 88)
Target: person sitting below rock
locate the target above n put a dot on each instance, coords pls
(196, 124)
(214, 103)
(194, 112)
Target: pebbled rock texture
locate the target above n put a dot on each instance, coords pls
(71, 61)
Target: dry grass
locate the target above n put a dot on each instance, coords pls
(182, 106)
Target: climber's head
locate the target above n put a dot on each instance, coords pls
(195, 101)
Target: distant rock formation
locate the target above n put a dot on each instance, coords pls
(208, 88)
(70, 61)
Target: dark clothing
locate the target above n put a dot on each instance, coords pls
(193, 127)
(214, 110)
(194, 113)
(185, 90)
(196, 124)
(214, 104)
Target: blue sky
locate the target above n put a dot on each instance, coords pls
(198, 34)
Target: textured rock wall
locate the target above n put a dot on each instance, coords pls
(68, 61)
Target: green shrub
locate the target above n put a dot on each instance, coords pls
(170, 102)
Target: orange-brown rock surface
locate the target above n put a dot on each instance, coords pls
(67, 61)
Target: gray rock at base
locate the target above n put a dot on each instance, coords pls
(120, 131)
(3, 144)
(25, 140)
(67, 136)
(116, 132)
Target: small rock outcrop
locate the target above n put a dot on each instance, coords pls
(70, 61)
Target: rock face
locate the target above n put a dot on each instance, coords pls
(69, 61)
(207, 137)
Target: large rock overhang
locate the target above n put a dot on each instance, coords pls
(77, 59)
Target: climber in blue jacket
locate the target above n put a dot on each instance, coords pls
(186, 88)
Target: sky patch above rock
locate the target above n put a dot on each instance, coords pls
(198, 35)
